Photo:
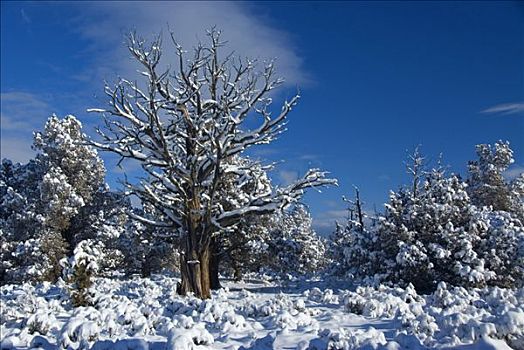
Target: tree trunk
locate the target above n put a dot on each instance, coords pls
(205, 279)
(195, 274)
(194, 261)
(237, 270)
(68, 236)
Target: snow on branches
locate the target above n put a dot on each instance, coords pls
(186, 126)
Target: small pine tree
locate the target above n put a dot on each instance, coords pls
(296, 247)
(79, 271)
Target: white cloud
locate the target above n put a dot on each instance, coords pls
(25, 17)
(104, 24)
(506, 108)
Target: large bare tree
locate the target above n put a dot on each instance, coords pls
(186, 126)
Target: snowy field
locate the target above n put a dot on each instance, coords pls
(147, 314)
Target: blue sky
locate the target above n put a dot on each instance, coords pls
(377, 78)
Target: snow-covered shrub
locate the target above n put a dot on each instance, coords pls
(431, 231)
(104, 220)
(147, 249)
(297, 246)
(23, 230)
(40, 322)
(136, 313)
(79, 333)
(428, 237)
(448, 316)
(351, 247)
(346, 339)
(501, 247)
(188, 338)
(282, 243)
(80, 269)
(247, 248)
(352, 250)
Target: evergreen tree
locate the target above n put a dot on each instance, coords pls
(296, 247)
(73, 173)
(48, 204)
(487, 185)
(431, 231)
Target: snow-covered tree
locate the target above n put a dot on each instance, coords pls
(351, 245)
(80, 268)
(487, 185)
(184, 127)
(147, 248)
(45, 203)
(295, 245)
(247, 248)
(501, 247)
(235, 249)
(427, 238)
(74, 173)
(104, 219)
(436, 234)
(24, 235)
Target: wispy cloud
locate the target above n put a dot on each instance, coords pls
(21, 110)
(287, 176)
(25, 17)
(21, 113)
(505, 109)
(104, 25)
(324, 222)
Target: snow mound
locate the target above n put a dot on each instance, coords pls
(143, 313)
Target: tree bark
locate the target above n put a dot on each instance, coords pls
(194, 262)
(237, 271)
(195, 274)
(205, 280)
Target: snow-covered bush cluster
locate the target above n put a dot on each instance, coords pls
(283, 243)
(147, 313)
(441, 228)
(448, 316)
(41, 199)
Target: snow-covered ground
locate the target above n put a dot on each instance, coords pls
(146, 313)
